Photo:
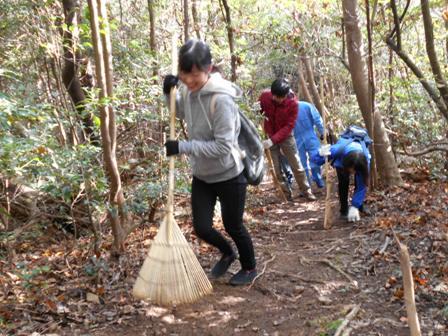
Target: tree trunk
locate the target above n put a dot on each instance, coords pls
(386, 164)
(441, 83)
(118, 215)
(445, 18)
(312, 84)
(196, 22)
(371, 86)
(152, 39)
(396, 47)
(71, 62)
(303, 86)
(186, 21)
(233, 57)
(152, 27)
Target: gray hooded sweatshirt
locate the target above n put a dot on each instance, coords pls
(213, 137)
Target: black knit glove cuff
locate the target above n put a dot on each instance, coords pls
(172, 147)
(169, 82)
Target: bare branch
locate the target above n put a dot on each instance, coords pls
(429, 149)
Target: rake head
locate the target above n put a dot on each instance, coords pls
(171, 273)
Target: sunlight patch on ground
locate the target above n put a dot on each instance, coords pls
(223, 318)
(232, 300)
(327, 288)
(156, 311)
(171, 319)
(308, 220)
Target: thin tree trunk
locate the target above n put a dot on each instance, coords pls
(344, 46)
(303, 85)
(120, 6)
(445, 18)
(186, 21)
(118, 215)
(54, 66)
(228, 19)
(71, 62)
(396, 47)
(312, 84)
(441, 83)
(371, 84)
(385, 159)
(194, 14)
(152, 27)
(62, 136)
(152, 38)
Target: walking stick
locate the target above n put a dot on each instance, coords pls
(281, 194)
(328, 217)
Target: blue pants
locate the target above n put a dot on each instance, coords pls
(315, 169)
(286, 170)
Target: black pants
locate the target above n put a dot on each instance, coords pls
(343, 188)
(232, 196)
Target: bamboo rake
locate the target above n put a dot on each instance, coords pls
(171, 273)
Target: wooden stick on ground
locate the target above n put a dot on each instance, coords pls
(348, 318)
(262, 272)
(408, 285)
(298, 277)
(329, 213)
(281, 194)
(338, 269)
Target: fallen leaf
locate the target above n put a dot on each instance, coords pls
(399, 293)
(93, 298)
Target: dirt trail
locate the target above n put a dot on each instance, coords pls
(310, 280)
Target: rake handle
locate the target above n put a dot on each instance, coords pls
(170, 205)
(173, 95)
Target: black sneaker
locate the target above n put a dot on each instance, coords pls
(243, 277)
(222, 266)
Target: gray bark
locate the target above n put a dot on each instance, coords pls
(386, 164)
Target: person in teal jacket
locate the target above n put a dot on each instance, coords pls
(307, 141)
(348, 157)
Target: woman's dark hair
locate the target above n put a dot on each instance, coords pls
(358, 161)
(280, 87)
(194, 53)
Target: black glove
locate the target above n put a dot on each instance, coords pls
(322, 137)
(169, 82)
(172, 147)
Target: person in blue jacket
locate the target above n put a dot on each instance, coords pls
(348, 157)
(307, 141)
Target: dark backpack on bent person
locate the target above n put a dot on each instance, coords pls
(250, 148)
(355, 133)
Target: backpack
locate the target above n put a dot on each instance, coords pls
(250, 148)
(355, 133)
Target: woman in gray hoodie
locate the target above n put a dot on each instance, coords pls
(212, 148)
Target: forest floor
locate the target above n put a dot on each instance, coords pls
(310, 279)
